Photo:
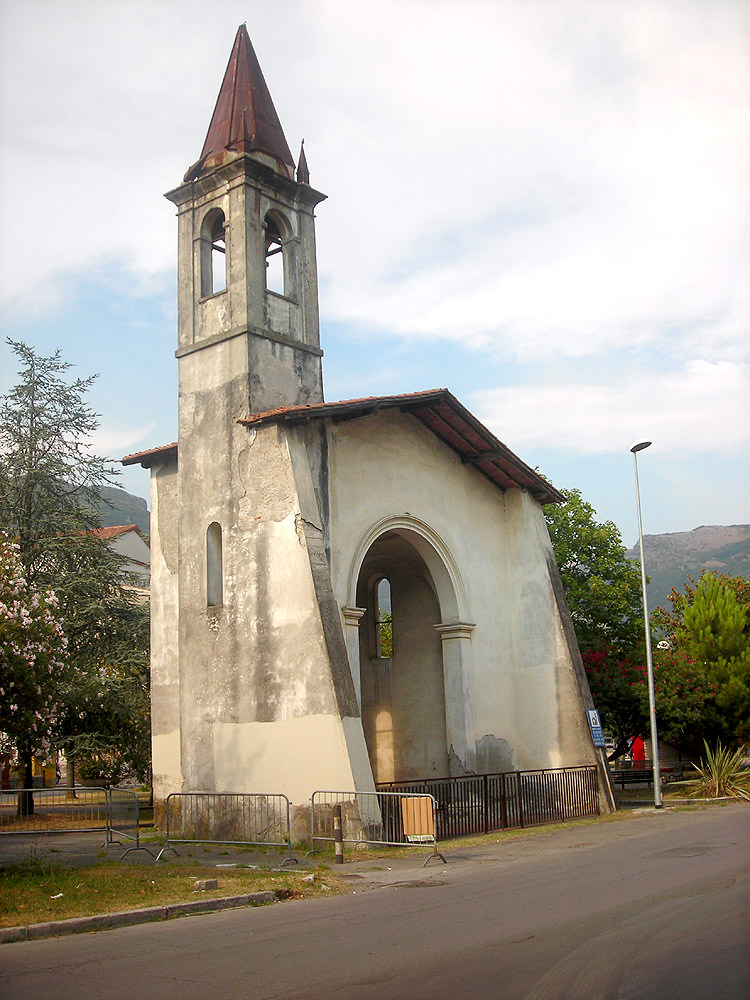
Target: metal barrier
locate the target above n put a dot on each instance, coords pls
(54, 810)
(228, 818)
(125, 820)
(483, 802)
(388, 818)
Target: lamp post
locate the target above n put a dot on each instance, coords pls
(649, 659)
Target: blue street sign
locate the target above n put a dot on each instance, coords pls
(597, 733)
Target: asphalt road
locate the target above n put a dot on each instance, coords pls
(655, 906)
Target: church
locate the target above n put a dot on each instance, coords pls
(343, 593)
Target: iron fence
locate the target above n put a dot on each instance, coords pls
(244, 818)
(54, 810)
(483, 802)
(394, 818)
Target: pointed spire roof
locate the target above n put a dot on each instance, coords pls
(303, 173)
(244, 119)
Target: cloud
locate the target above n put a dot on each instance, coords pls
(559, 188)
(520, 176)
(117, 441)
(701, 408)
(581, 188)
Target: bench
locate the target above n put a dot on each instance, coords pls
(630, 775)
(633, 775)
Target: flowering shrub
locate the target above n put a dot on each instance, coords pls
(615, 684)
(684, 699)
(33, 656)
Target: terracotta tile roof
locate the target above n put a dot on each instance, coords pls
(244, 119)
(437, 409)
(447, 418)
(107, 534)
(154, 456)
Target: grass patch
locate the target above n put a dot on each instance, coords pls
(367, 852)
(37, 890)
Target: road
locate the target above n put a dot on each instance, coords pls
(652, 906)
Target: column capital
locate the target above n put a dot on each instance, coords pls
(455, 630)
(351, 615)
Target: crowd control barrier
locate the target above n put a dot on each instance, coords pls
(125, 820)
(248, 819)
(387, 818)
(83, 809)
(54, 810)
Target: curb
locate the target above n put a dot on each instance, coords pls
(127, 918)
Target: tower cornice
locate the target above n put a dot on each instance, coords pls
(247, 168)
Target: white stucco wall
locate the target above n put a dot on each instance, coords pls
(518, 684)
(165, 661)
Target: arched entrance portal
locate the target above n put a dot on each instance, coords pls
(401, 662)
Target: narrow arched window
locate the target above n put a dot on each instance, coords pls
(274, 257)
(383, 620)
(213, 253)
(214, 566)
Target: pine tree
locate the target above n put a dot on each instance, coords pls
(710, 624)
(50, 492)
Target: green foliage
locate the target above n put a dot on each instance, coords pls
(721, 773)
(50, 482)
(684, 700)
(602, 586)
(50, 486)
(710, 624)
(385, 630)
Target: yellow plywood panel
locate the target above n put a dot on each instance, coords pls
(418, 818)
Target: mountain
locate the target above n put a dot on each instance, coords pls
(671, 558)
(119, 507)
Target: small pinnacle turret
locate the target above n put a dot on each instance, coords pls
(303, 174)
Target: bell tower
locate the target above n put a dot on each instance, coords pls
(247, 272)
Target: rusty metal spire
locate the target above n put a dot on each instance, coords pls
(244, 119)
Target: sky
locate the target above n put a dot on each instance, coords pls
(542, 206)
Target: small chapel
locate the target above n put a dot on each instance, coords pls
(343, 594)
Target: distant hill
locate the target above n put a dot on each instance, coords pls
(671, 558)
(119, 507)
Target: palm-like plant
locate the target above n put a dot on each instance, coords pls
(721, 774)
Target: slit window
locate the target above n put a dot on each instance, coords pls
(214, 566)
(383, 620)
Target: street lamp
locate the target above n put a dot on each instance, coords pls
(649, 659)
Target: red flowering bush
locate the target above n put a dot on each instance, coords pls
(684, 699)
(615, 684)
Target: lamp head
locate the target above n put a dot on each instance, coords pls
(640, 446)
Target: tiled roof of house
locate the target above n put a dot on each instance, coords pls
(107, 534)
(153, 456)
